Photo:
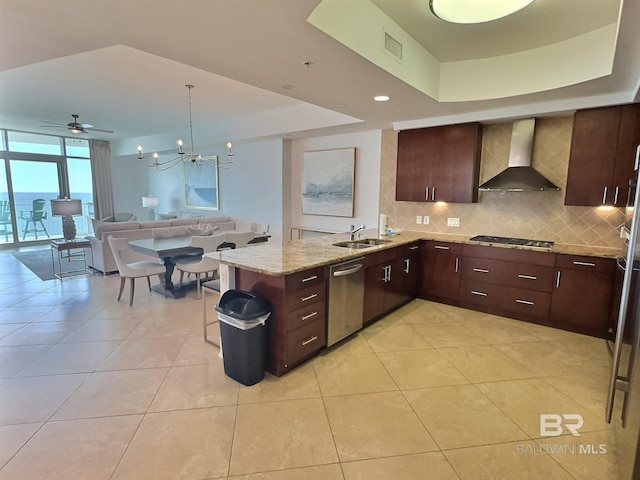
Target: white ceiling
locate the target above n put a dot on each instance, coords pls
(122, 66)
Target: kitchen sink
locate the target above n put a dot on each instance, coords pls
(362, 243)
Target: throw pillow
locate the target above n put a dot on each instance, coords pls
(204, 229)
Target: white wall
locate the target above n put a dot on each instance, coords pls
(263, 185)
(130, 182)
(252, 189)
(367, 180)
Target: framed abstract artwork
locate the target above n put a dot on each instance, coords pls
(327, 182)
(201, 186)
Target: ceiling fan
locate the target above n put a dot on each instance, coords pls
(75, 126)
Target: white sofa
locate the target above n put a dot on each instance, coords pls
(103, 257)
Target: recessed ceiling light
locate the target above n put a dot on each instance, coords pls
(381, 98)
(475, 11)
(288, 87)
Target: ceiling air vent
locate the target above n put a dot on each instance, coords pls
(392, 46)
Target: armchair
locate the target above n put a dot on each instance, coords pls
(5, 219)
(35, 216)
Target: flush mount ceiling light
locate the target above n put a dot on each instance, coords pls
(475, 11)
(194, 158)
(381, 98)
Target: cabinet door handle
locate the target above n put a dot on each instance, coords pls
(558, 279)
(407, 262)
(308, 297)
(441, 247)
(308, 279)
(615, 196)
(426, 193)
(387, 273)
(524, 302)
(585, 264)
(481, 294)
(308, 316)
(457, 264)
(481, 270)
(637, 162)
(307, 342)
(414, 247)
(433, 193)
(528, 277)
(604, 195)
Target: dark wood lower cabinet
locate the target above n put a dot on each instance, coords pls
(582, 295)
(441, 271)
(392, 282)
(570, 292)
(297, 326)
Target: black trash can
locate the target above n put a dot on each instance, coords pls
(243, 335)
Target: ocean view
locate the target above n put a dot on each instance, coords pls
(53, 225)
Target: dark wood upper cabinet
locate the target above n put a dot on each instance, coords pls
(603, 149)
(439, 164)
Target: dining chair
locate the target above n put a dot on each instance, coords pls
(5, 219)
(36, 215)
(203, 264)
(135, 269)
(238, 239)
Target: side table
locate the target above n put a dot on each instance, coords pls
(71, 251)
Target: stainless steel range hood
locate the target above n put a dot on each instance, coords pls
(519, 175)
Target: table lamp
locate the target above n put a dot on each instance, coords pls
(151, 203)
(67, 208)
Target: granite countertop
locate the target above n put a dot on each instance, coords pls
(296, 255)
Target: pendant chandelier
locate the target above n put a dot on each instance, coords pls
(185, 158)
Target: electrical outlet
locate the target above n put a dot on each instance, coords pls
(425, 220)
(453, 222)
(419, 220)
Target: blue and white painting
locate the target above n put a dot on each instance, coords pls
(201, 186)
(327, 182)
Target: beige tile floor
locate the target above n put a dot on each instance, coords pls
(91, 388)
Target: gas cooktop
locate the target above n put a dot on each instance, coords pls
(513, 241)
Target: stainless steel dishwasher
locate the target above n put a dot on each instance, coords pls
(346, 299)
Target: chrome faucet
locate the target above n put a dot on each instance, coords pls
(354, 230)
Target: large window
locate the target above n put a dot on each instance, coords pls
(36, 169)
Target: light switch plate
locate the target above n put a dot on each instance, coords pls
(425, 220)
(418, 220)
(453, 222)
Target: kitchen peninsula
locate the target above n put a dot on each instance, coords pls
(293, 276)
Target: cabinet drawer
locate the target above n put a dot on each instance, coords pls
(382, 256)
(306, 296)
(299, 280)
(408, 249)
(507, 254)
(526, 302)
(432, 246)
(531, 277)
(306, 340)
(484, 294)
(519, 275)
(484, 270)
(590, 264)
(307, 314)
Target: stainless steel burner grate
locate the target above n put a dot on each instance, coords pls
(513, 241)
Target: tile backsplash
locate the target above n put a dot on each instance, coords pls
(536, 215)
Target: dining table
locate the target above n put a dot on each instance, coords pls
(171, 249)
